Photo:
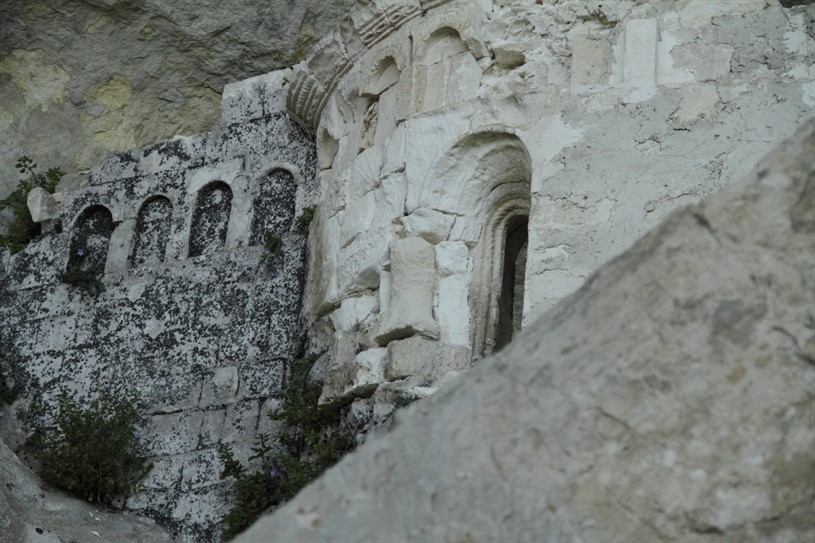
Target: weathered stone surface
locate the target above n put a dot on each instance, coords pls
(82, 79)
(669, 399)
(357, 377)
(411, 293)
(30, 512)
(42, 205)
(426, 360)
(589, 121)
(191, 318)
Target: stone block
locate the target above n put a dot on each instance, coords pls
(452, 257)
(425, 359)
(254, 98)
(357, 378)
(453, 309)
(639, 63)
(42, 205)
(353, 312)
(408, 357)
(590, 58)
(413, 280)
(360, 262)
(432, 226)
(221, 387)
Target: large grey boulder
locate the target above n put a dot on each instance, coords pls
(30, 512)
(670, 399)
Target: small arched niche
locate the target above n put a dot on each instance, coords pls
(484, 181)
(152, 232)
(210, 219)
(446, 72)
(513, 277)
(273, 205)
(90, 239)
(380, 94)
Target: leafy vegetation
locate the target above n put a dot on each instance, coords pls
(86, 281)
(95, 453)
(273, 253)
(311, 441)
(304, 220)
(22, 229)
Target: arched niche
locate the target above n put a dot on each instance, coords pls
(445, 71)
(273, 205)
(484, 181)
(152, 231)
(90, 239)
(210, 219)
(380, 95)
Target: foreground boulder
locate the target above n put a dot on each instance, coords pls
(31, 513)
(671, 398)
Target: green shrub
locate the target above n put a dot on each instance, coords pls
(311, 440)
(273, 253)
(95, 453)
(304, 220)
(22, 229)
(86, 281)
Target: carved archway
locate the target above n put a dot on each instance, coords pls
(210, 219)
(152, 231)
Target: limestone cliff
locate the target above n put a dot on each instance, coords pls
(82, 79)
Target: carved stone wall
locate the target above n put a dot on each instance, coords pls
(586, 118)
(189, 318)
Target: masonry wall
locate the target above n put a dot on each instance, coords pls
(441, 123)
(191, 318)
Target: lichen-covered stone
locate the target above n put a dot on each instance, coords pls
(191, 317)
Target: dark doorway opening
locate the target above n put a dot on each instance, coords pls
(513, 275)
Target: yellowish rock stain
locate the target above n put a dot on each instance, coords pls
(41, 84)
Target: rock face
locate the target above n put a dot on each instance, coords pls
(31, 513)
(82, 79)
(191, 318)
(669, 399)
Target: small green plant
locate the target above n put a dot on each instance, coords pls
(304, 220)
(95, 453)
(311, 441)
(403, 401)
(273, 254)
(22, 229)
(86, 281)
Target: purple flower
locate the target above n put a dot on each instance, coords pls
(80, 252)
(266, 251)
(273, 474)
(273, 274)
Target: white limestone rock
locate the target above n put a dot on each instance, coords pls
(423, 358)
(410, 309)
(433, 226)
(30, 512)
(669, 399)
(356, 378)
(42, 205)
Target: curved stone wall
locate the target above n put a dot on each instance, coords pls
(427, 114)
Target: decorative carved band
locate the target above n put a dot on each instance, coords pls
(315, 79)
